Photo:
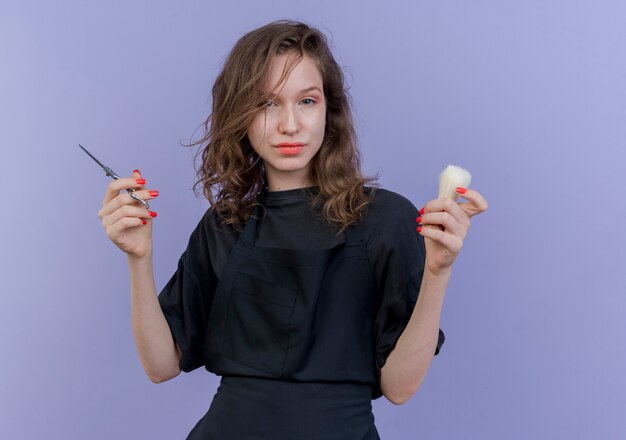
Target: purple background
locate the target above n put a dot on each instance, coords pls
(530, 96)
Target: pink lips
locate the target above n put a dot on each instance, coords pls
(290, 148)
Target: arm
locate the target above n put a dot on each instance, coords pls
(159, 354)
(129, 227)
(408, 362)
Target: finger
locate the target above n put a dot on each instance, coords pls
(125, 199)
(448, 240)
(449, 223)
(126, 211)
(123, 183)
(476, 204)
(124, 223)
(448, 205)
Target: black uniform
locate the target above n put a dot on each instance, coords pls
(297, 319)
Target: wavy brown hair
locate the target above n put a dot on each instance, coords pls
(232, 174)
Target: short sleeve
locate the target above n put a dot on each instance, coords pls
(398, 271)
(187, 297)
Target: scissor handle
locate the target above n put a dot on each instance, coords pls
(131, 191)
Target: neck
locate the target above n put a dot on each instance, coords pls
(285, 183)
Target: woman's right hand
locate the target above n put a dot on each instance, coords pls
(126, 222)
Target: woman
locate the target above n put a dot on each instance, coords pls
(309, 291)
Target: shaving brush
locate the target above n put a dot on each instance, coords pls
(451, 178)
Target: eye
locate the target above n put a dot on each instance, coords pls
(308, 101)
(269, 103)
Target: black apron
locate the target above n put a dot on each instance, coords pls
(291, 332)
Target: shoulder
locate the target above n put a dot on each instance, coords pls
(213, 223)
(211, 231)
(389, 231)
(388, 204)
(389, 217)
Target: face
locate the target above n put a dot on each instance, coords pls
(289, 131)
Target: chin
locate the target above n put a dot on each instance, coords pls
(290, 164)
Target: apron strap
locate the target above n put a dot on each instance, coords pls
(249, 231)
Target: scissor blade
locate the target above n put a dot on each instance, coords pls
(91, 155)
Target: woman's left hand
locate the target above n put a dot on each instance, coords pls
(443, 246)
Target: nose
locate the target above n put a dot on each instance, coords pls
(288, 122)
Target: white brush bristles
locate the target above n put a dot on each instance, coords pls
(451, 178)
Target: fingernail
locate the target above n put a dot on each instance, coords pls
(461, 190)
(144, 222)
(419, 219)
(154, 193)
(419, 229)
(153, 214)
(422, 211)
(141, 181)
(137, 171)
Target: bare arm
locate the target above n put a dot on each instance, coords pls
(159, 354)
(129, 226)
(408, 362)
(410, 359)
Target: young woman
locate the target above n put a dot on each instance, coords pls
(307, 289)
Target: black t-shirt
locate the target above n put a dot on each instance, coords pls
(396, 254)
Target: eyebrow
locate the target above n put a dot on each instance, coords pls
(310, 89)
(307, 90)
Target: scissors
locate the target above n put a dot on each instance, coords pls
(109, 172)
